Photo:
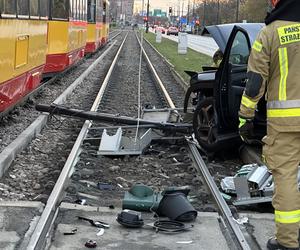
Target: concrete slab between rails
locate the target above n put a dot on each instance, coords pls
(206, 233)
(17, 223)
(261, 226)
(8, 155)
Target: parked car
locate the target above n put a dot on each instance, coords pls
(172, 31)
(217, 91)
(161, 29)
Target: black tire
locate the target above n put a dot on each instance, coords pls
(204, 125)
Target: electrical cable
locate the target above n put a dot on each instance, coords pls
(139, 85)
(170, 226)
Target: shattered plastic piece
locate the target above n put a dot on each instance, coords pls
(91, 244)
(100, 232)
(80, 201)
(185, 242)
(227, 183)
(104, 186)
(73, 231)
(226, 196)
(95, 223)
(242, 220)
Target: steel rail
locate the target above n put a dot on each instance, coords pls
(222, 205)
(39, 235)
(157, 78)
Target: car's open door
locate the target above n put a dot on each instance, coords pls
(232, 77)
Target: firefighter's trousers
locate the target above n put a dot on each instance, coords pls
(281, 153)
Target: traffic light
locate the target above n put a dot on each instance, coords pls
(170, 10)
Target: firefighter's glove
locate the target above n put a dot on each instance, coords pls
(246, 130)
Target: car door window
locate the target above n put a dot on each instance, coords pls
(240, 51)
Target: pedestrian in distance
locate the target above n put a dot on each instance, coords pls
(273, 72)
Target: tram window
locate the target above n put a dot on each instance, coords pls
(104, 13)
(34, 8)
(71, 8)
(91, 11)
(60, 9)
(79, 9)
(1, 7)
(7, 7)
(99, 11)
(44, 8)
(74, 9)
(84, 10)
(23, 8)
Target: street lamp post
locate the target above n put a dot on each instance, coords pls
(204, 12)
(237, 10)
(147, 21)
(188, 13)
(218, 12)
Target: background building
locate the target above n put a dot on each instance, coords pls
(121, 11)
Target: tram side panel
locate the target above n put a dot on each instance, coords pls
(105, 22)
(93, 35)
(67, 34)
(23, 47)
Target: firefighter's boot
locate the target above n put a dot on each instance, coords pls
(273, 244)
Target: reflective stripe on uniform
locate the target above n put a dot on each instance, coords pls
(257, 46)
(284, 71)
(283, 104)
(248, 103)
(294, 112)
(287, 217)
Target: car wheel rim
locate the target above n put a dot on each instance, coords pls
(205, 125)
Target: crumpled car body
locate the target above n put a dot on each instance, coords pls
(216, 92)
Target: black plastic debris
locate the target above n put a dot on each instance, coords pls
(105, 186)
(130, 218)
(95, 223)
(81, 201)
(176, 206)
(72, 232)
(91, 244)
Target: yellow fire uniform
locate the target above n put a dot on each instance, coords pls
(274, 70)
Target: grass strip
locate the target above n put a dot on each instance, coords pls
(192, 61)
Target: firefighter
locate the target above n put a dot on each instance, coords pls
(274, 70)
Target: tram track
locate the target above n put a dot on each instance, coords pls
(17, 142)
(162, 166)
(81, 156)
(10, 154)
(21, 115)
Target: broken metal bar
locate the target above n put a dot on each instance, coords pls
(96, 116)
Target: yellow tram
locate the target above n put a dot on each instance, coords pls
(105, 26)
(39, 38)
(67, 32)
(23, 46)
(97, 31)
